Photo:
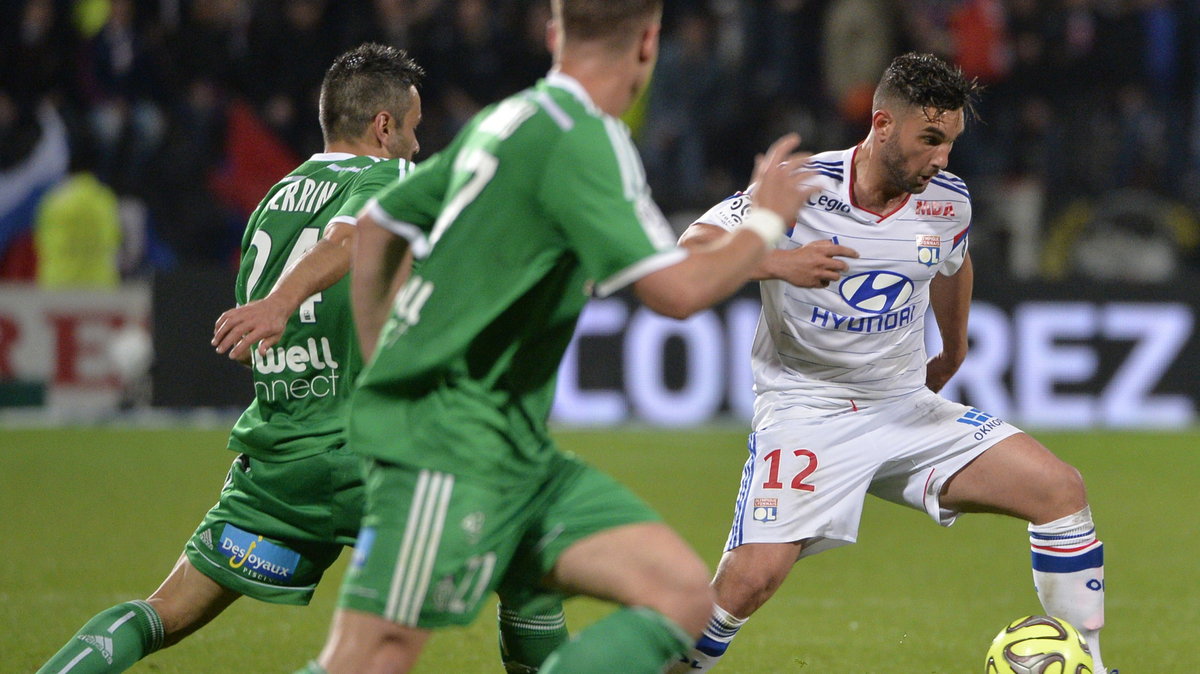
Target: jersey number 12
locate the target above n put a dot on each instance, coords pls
(773, 459)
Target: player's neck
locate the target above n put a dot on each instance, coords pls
(872, 191)
(356, 147)
(612, 85)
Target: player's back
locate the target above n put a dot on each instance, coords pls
(469, 359)
(302, 383)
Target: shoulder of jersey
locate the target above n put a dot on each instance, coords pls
(562, 107)
(828, 165)
(950, 183)
(392, 168)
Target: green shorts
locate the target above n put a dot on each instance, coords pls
(278, 526)
(435, 545)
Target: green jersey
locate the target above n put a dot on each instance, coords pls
(539, 200)
(302, 384)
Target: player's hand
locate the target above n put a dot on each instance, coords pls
(939, 370)
(259, 322)
(779, 178)
(813, 265)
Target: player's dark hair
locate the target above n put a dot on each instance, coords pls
(927, 82)
(363, 82)
(612, 21)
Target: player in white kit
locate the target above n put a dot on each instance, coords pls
(846, 401)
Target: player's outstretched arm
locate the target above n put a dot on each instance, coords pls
(382, 263)
(950, 297)
(713, 272)
(813, 265)
(263, 321)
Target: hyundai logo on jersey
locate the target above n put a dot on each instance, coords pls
(876, 292)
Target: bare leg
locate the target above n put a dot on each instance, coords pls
(660, 581)
(188, 600)
(746, 578)
(749, 575)
(640, 565)
(364, 643)
(1017, 477)
(1021, 478)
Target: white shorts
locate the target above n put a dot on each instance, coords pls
(808, 478)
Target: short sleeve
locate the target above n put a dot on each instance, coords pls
(594, 186)
(958, 247)
(729, 213)
(374, 179)
(409, 208)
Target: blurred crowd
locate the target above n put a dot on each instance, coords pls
(136, 135)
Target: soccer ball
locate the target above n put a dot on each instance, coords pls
(1039, 644)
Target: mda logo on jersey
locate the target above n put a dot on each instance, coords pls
(929, 249)
(942, 208)
(876, 292)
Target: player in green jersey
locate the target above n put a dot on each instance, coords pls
(540, 199)
(293, 497)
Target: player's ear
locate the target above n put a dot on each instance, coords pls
(882, 124)
(648, 45)
(384, 125)
(552, 36)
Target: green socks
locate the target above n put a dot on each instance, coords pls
(112, 641)
(631, 641)
(527, 637)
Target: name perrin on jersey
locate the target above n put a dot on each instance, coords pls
(862, 337)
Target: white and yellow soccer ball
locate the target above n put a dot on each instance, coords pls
(1039, 644)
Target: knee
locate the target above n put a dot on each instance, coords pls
(1067, 495)
(1073, 490)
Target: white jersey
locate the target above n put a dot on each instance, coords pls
(861, 339)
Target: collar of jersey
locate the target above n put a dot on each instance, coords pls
(331, 156)
(561, 80)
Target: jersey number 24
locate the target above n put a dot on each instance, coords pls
(261, 243)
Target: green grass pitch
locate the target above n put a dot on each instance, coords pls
(93, 517)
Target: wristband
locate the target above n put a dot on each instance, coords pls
(766, 223)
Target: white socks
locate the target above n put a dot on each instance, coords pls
(1068, 571)
(722, 628)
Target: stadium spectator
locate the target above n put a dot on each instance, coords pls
(1079, 90)
(77, 233)
(684, 101)
(284, 54)
(119, 86)
(36, 47)
(34, 157)
(858, 41)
